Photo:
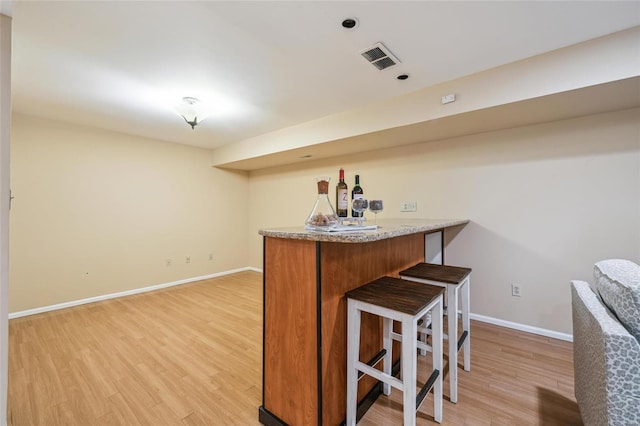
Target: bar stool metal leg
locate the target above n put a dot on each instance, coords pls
(466, 324)
(387, 345)
(436, 356)
(409, 366)
(452, 332)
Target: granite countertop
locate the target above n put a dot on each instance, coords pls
(388, 228)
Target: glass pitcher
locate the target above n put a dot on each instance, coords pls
(323, 213)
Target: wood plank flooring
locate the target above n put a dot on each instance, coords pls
(191, 355)
(516, 378)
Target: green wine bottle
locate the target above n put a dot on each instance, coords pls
(357, 193)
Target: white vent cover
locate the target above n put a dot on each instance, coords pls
(380, 57)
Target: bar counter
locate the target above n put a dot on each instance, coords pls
(389, 228)
(306, 274)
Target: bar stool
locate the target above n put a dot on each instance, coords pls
(455, 279)
(406, 302)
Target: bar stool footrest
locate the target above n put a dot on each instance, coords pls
(426, 388)
(373, 361)
(463, 337)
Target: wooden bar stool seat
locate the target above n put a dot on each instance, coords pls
(394, 299)
(456, 280)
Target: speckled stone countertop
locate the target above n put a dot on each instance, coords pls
(388, 228)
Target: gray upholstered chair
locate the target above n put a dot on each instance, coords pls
(606, 344)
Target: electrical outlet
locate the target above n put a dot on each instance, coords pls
(409, 206)
(515, 290)
(169, 262)
(210, 256)
(187, 259)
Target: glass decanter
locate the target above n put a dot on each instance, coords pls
(323, 213)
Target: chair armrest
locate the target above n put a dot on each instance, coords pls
(606, 362)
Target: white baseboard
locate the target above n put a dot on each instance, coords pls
(125, 293)
(523, 327)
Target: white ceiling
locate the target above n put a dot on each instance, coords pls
(265, 65)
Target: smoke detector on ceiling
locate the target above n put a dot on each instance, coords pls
(380, 57)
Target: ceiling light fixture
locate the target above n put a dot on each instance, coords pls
(191, 110)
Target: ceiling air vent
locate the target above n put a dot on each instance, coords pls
(380, 57)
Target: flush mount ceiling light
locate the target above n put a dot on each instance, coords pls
(191, 109)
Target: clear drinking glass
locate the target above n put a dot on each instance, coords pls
(376, 206)
(359, 205)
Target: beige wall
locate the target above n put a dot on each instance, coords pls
(545, 202)
(98, 212)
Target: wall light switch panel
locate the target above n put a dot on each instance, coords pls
(409, 206)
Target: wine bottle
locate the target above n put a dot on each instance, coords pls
(357, 193)
(342, 194)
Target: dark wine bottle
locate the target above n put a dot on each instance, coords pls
(342, 197)
(357, 193)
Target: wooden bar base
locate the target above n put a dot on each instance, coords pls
(305, 316)
(305, 321)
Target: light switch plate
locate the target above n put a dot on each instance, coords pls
(409, 206)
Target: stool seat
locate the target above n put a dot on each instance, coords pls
(456, 280)
(441, 273)
(395, 299)
(398, 295)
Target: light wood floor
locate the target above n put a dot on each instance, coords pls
(191, 355)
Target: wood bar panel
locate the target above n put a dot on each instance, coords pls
(290, 385)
